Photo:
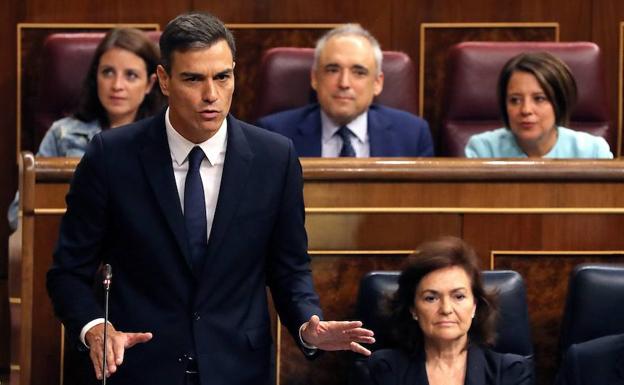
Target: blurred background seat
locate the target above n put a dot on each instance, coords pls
(594, 304)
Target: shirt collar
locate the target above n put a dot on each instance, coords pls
(214, 147)
(358, 126)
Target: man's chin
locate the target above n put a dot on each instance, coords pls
(342, 118)
(210, 128)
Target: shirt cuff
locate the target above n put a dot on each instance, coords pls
(91, 324)
(311, 348)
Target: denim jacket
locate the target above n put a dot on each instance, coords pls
(67, 137)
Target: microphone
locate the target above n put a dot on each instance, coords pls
(108, 275)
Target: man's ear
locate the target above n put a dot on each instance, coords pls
(379, 81)
(163, 79)
(313, 79)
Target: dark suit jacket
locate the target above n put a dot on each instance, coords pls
(596, 362)
(484, 367)
(123, 208)
(391, 132)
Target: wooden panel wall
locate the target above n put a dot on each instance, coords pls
(395, 23)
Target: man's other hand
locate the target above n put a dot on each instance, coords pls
(116, 344)
(337, 335)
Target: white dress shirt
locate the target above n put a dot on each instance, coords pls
(210, 170)
(331, 143)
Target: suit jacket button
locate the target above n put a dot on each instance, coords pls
(196, 316)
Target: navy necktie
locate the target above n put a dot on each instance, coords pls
(347, 148)
(195, 209)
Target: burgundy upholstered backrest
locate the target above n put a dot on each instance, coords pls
(285, 81)
(470, 93)
(65, 61)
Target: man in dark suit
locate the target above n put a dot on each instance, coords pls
(196, 212)
(346, 76)
(596, 362)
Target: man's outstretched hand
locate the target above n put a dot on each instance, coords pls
(117, 343)
(337, 335)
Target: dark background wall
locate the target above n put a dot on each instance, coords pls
(396, 23)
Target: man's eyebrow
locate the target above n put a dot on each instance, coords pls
(359, 67)
(228, 71)
(191, 75)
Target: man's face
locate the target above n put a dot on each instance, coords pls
(199, 87)
(346, 78)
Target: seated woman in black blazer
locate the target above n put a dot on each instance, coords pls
(443, 320)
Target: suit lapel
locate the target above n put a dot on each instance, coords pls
(156, 159)
(236, 169)
(475, 367)
(401, 368)
(308, 138)
(379, 136)
(619, 365)
(417, 367)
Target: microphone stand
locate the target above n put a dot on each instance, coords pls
(108, 274)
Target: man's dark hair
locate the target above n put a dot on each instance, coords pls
(190, 31)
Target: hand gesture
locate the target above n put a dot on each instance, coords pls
(116, 343)
(337, 335)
